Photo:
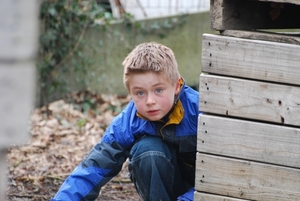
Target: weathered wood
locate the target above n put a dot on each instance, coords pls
(19, 29)
(256, 59)
(18, 51)
(249, 14)
(250, 99)
(246, 179)
(249, 140)
(198, 196)
(3, 173)
(17, 89)
(280, 37)
(282, 1)
(248, 157)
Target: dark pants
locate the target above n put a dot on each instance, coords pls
(154, 170)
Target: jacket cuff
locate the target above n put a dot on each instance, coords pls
(188, 196)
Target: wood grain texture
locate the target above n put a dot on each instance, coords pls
(250, 99)
(246, 179)
(254, 59)
(249, 15)
(198, 196)
(297, 2)
(280, 37)
(249, 140)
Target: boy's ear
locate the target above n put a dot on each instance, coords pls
(178, 86)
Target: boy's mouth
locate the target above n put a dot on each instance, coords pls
(153, 112)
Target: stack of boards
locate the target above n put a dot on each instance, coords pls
(249, 132)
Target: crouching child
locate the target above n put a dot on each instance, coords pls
(157, 132)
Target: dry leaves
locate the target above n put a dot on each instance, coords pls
(61, 135)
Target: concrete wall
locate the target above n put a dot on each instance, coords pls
(183, 34)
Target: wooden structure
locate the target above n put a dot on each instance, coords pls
(18, 51)
(249, 134)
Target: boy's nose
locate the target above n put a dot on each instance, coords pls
(150, 99)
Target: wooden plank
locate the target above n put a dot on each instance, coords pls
(198, 196)
(256, 59)
(3, 174)
(250, 99)
(249, 14)
(246, 179)
(17, 89)
(19, 30)
(282, 1)
(249, 140)
(280, 37)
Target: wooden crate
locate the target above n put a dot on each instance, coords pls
(254, 14)
(249, 135)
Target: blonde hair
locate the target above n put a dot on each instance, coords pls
(151, 57)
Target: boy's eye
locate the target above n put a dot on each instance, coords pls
(159, 90)
(140, 93)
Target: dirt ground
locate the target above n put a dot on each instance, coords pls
(119, 189)
(61, 135)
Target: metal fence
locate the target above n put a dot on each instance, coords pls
(145, 9)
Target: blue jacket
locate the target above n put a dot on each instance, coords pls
(106, 158)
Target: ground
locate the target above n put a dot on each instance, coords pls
(61, 135)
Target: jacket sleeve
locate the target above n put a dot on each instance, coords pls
(102, 163)
(188, 196)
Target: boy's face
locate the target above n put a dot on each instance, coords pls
(152, 94)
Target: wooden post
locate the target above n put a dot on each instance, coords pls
(18, 48)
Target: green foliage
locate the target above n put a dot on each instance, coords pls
(157, 27)
(64, 23)
(80, 123)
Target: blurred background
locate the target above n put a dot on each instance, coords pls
(83, 43)
(64, 69)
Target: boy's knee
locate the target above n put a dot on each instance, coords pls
(150, 144)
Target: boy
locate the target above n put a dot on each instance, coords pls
(157, 131)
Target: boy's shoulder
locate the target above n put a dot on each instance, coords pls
(190, 93)
(129, 109)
